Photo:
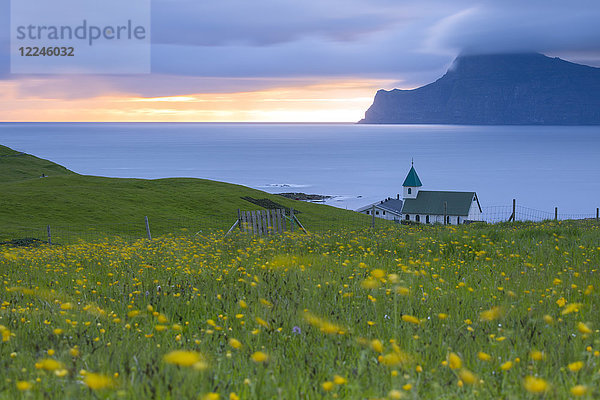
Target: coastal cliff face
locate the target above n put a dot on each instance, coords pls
(507, 89)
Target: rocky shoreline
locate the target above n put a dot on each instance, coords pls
(304, 196)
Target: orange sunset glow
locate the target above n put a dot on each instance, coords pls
(332, 101)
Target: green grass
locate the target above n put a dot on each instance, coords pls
(16, 166)
(76, 204)
(104, 300)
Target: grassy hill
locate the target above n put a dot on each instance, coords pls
(77, 203)
(16, 166)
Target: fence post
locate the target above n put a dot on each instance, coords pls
(292, 220)
(555, 213)
(49, 235)
(239, 219)
(148, 228)
(445, 213)
(513, 216)
(373, 217)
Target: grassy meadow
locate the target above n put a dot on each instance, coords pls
(505, 311)
(90, 207)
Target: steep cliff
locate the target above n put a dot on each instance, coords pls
(502, 89)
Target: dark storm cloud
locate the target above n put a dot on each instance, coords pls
(229, 45)
(521, 26)
(267, 22)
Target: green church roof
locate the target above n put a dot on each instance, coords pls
(412, 179)
(432, 203)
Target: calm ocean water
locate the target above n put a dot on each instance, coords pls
(542, 167)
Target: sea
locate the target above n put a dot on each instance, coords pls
(542, 167)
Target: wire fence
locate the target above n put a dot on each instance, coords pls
(496, 214)
(60, 233)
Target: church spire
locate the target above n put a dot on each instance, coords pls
(412, 183)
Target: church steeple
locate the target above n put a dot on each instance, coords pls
(411, 184)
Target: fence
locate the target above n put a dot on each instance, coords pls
(142, 228)
(152, 227)
(495, 214)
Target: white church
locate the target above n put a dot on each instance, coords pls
(427, 206)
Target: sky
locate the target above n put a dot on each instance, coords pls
(294, 61)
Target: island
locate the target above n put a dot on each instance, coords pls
(497, 89)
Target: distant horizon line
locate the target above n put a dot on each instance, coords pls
(186, 122)
(271, 123)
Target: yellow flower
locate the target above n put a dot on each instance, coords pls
(561, 302)
(484, 356)
(24, 385)
(49, 364)
(395, 394)
(506, 366)
(535, 385)
(394, 358)
(233, 396)
(262, 322)
(236, 344)
(402, 291)
(575, 366)
(58, 331)
(259, 357)
(327, 386)
(211, 396)
(454, 361)
(467, 377)
(573, 307)
(548, 319)
(98, 381)
(243, 304)
(162, 319)
(378, 273)
(183, 358)
(339, 380)
(491, 314)
(370, 283)
(579, 390)
(442, 316)
(66, 306)
(583, 328)
(536, 355)
(5, 333)
(407, 387)
(61, 372)
(377, 345)
(411, 319)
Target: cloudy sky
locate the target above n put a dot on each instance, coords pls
(296, 61)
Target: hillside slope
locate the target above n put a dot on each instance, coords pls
(116, 205)
(17, 166)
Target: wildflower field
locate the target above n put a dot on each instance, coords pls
(506, 311)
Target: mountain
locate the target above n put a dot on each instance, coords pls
(500, 89)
